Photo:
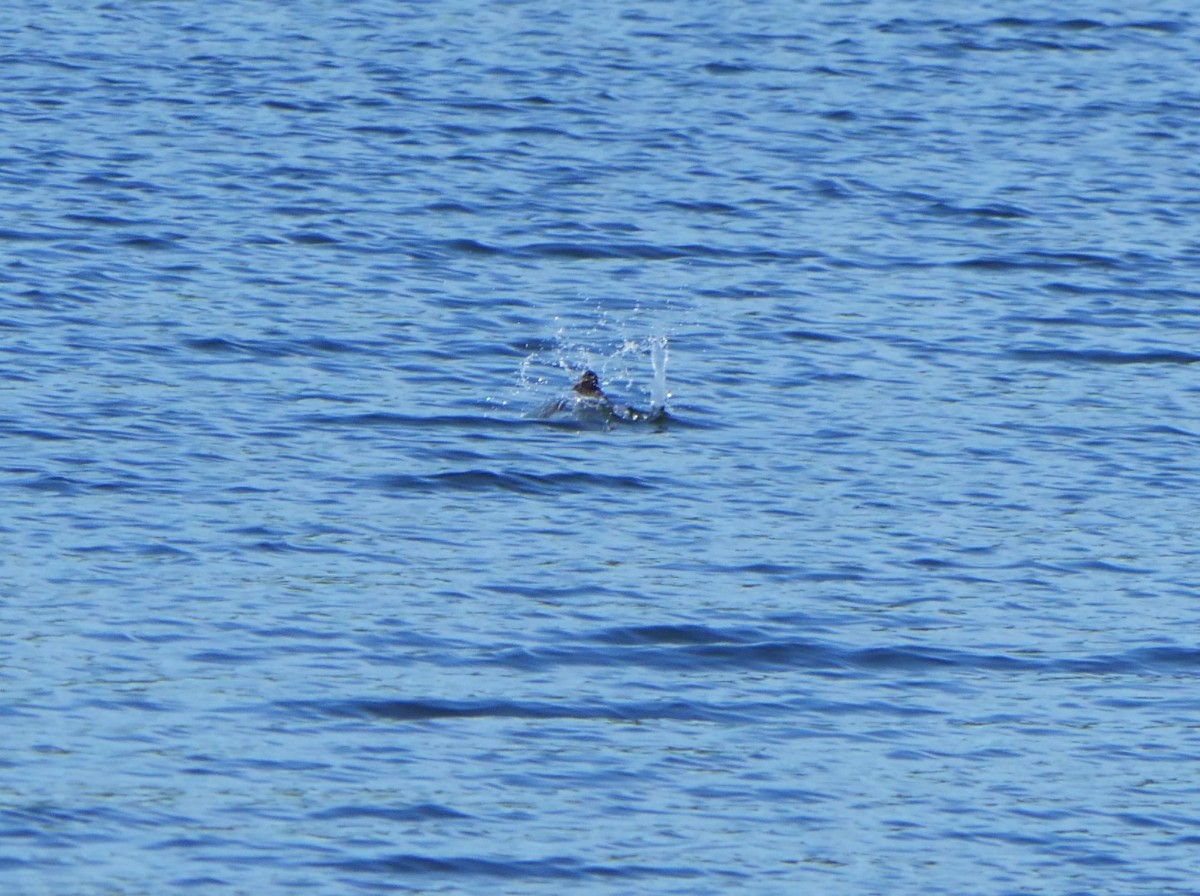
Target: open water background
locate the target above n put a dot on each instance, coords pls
(297, 597)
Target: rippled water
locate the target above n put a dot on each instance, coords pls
(299, 593)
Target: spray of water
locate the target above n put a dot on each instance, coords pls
(615, 362)
(658, 385)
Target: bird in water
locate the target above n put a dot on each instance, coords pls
(588, 386)
(590, 401)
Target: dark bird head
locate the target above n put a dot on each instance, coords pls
(589, 385)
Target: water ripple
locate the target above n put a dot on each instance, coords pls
(1100, 356)
(560, 868)
(431, 710)
(520, 483)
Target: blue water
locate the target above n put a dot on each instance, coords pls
(299, 594)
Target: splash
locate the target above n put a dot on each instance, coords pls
(619, 363)
(658, 385)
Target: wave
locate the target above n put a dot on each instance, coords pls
(573, 482)
(472, 866)
(419, 812)
(384, 419)
(277, 348)
(701, 648)
(1103, 356)
(625, 251)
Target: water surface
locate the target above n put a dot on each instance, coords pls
(298, 595)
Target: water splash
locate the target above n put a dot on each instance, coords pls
(620, 364)
(658, 385)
